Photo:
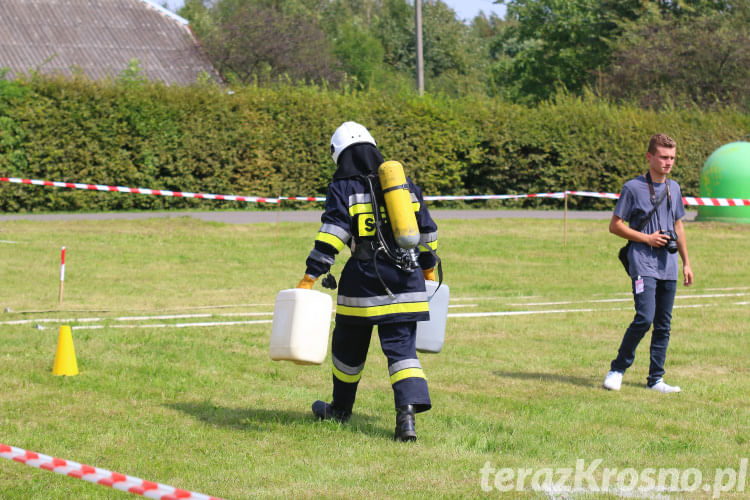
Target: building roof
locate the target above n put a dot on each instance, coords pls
(99, 38)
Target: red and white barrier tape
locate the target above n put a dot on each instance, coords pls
(592, 194)
(470, 197)
(99, 476)
(156, 192)
(686, 200)
(716, 202)
(303, 198)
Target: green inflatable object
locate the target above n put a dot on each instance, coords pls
(726, 174)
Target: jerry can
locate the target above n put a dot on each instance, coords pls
(431, 334)
(301, 323)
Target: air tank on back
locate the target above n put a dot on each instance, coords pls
(398, 204)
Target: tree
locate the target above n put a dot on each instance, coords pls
(689, 60)
(394, 27)
(256, 42)
(551, 44)
(446, 41)
(360, 53)
(201, 20)
(363, 31)
(372, 41)
(454, 60)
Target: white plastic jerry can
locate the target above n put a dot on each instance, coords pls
(301, 323)
(431, 334)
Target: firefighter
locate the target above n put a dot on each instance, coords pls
(380, 284)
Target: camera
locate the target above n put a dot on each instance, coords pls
(671, 245)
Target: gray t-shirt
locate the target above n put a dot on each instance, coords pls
(633, 205)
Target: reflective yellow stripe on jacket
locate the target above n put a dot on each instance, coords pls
(428, 241)
(335, 236)
(368, 307)
(362, 204)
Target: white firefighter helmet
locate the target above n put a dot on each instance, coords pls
(347, 134)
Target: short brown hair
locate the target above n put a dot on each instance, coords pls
(660, 141)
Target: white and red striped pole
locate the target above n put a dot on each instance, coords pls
(62, 275)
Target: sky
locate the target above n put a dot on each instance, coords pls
(466, 10)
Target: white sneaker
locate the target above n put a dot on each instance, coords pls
(613, 381)
(665, 388)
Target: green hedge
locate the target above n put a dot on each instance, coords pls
(274, 141)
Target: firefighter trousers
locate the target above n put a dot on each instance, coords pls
(398, 342)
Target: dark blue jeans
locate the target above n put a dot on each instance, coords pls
(652, 306)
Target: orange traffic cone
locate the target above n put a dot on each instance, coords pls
(65, 357)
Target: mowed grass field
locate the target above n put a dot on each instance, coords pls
(203, 407)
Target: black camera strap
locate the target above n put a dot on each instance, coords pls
(656, 203)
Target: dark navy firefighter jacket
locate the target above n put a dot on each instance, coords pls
(348, 220)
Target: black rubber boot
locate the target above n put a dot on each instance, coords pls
(405, 425)
(325, 411)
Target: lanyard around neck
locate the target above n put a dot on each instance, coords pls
(652, 192)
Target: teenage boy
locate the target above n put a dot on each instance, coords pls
(653, 260)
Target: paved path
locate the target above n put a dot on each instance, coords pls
(247, 217)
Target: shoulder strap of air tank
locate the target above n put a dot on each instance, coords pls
(375, 207)
(393, 188)
(439, 270)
